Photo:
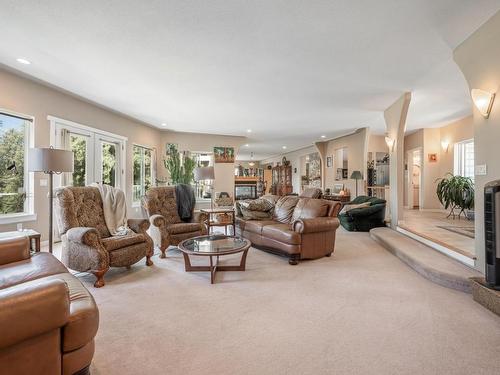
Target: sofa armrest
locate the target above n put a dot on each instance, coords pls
(314, 225)
(84, 235)
(30, 309)
(14, 249)
(158, 221)
(138, 225)
(365, 211)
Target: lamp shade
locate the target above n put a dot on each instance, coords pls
(50, 160)
(356, 175)
(483, 100)
(204, 173)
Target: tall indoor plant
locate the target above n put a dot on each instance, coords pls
(180, 169)
(456, 193)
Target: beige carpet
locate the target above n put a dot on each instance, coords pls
(361, 311)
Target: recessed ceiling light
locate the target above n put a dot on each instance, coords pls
(284, 147)
(163, 124)
(323, 136)
(249, 130)
(247, 145)
(23, 61)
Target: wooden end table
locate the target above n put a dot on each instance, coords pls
(33, 236)
(213, 222)
(214, 246)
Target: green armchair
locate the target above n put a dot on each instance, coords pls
(365, 218)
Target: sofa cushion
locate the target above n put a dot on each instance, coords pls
(281, 233)
(118, 242)
(309, 208)
(83, 314)
(283, 210)
(179, 228)
(255, 226)
(38, 266)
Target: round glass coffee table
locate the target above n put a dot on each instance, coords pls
(214, 246)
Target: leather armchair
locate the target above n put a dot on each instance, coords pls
(48, 320)
(365, 218)
(87, 244)
(167, 228)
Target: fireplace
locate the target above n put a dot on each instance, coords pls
(245, 190)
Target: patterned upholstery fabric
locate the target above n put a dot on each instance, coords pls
(162, 201)
(167, 228)
(87, 243)
(113, 243)
(80, 207)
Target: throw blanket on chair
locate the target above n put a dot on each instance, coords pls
(185, 201)
(115, 209)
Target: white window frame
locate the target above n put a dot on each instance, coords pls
(153, 170)
(195, 183)
(57, 124)
(459, 162)
(29, 179)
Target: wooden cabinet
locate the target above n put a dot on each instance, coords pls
(282, 180)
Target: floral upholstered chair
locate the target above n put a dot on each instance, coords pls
(87, 244)
(167, 228)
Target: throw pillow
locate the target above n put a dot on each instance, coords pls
(261, 205)
(349, 207)
(283, 210)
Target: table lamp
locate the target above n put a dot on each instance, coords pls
(50, 161)
(356, 175)
(206, 173)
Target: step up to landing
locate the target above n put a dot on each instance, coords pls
(431, 264)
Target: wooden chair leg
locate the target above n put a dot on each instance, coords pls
(163, 251)
(100, 277)
(149, 262)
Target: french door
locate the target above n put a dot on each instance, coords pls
(98, 158)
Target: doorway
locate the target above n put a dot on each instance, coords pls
(414, 192)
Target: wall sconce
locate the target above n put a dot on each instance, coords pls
(445, 145)
(483, 100)
(390, 143)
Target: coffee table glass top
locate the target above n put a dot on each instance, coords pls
(214, 245)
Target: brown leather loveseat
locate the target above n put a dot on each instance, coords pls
(48, 319)
(300, 228)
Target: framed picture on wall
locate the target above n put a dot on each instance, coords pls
(224, 154)
(329, 161)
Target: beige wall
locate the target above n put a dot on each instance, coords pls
(24, 96)
(479, 59)
(429, 141)
(377, 143)
(357, 152)
(224, 172)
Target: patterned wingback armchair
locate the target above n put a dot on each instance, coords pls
(167, 228)
(87, 244)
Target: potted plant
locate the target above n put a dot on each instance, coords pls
(456, 193)
(180, 171)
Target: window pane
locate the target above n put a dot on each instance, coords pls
(79, 148)
(148, 171)
(108, 163)
(136, 193)
(12, 149)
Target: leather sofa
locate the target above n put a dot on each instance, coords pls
(48, 319)
(300, 228)
(365, 218)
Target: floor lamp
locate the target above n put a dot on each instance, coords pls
(356, 175)
(206, 173)
(50, 161)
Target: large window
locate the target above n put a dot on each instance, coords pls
(143, 172)
(203, 188)
(14, 182)
(464, 158)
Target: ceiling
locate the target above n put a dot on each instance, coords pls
(289, 70)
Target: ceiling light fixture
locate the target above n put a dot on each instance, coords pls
(249, 130)
(251, 158)
(163, 124)
(483, 100)
(284, 147)
(323, 136)
(247, 145)
(23, 61)
(390, 143)
(445, 145)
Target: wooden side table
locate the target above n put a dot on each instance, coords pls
(33, 236)
(212, 220)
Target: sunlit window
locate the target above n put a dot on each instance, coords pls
(464, 159)
(143, 172)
